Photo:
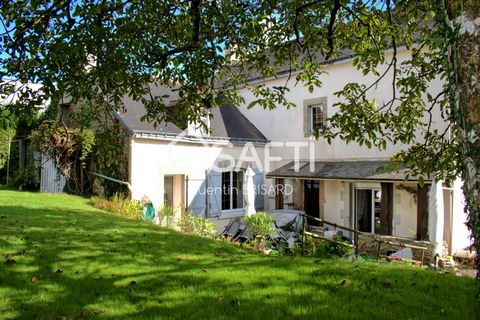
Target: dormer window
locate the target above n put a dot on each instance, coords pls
(198, 129)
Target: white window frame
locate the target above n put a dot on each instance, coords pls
(372, 203)
(231, 193)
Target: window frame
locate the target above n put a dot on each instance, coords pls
(308, 106)
(230, 191)
(312, 107)
(373, 209)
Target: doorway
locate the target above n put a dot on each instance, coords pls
(174, 194)
(368, 208)
(312, 200)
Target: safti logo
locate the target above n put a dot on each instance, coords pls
(252, 154)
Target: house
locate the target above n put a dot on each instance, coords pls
(193, 169)
(338, 182)
(203, 172)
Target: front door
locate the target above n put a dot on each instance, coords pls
(312, 200)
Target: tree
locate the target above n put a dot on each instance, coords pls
(7, 133)
(101, 50)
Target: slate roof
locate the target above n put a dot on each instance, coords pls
(339, 170)
(284, 69)
(227, 122)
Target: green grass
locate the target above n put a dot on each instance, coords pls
(116, 268)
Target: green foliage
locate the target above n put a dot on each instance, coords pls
(197, 225)
(8, 126)
(315, 247)
(63, 143)
(202, 48)
(118, 204)
(6, 136)
(166, 214)
(25, 179)
(328, 249)
(221, 44)
(111, 157)
(260, 223)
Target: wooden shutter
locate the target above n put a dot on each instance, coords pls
(422, 212)
(386, 215)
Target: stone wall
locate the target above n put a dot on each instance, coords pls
(367, 244)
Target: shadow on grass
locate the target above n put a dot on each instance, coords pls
(81, 263)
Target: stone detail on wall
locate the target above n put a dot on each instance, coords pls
(397, 198)
(344, 196)
(367, 244)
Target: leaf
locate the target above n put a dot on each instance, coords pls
(421, 181)
(252, 104)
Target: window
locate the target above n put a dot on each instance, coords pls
(232, 190)
(197, 129)
(314, 114)
(316, 117)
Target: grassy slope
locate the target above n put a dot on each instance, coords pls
(181, 276)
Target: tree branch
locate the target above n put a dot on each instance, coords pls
(333, 16)
(298, 10)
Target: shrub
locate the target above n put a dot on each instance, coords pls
(261, 224)
(197, 225)
(25, 179)
(328, 249)
(167, 214)
(118, 205)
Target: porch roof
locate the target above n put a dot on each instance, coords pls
(340, 170)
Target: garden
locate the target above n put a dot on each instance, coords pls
(64, 259)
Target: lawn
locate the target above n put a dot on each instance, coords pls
(73, 261)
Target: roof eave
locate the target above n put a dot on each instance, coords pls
(195, 139)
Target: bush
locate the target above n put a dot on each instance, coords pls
(197, 225)
(328, 249)
(25, 179)
(261, 224)
(167, 214)
(118, 205)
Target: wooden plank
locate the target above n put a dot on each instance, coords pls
(401, 244)
(330, 240)
(400, 259)
(331, 223)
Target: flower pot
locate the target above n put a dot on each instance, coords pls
(260, 243)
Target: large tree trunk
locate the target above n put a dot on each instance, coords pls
(465, 104)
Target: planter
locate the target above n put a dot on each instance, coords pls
(260, 244)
